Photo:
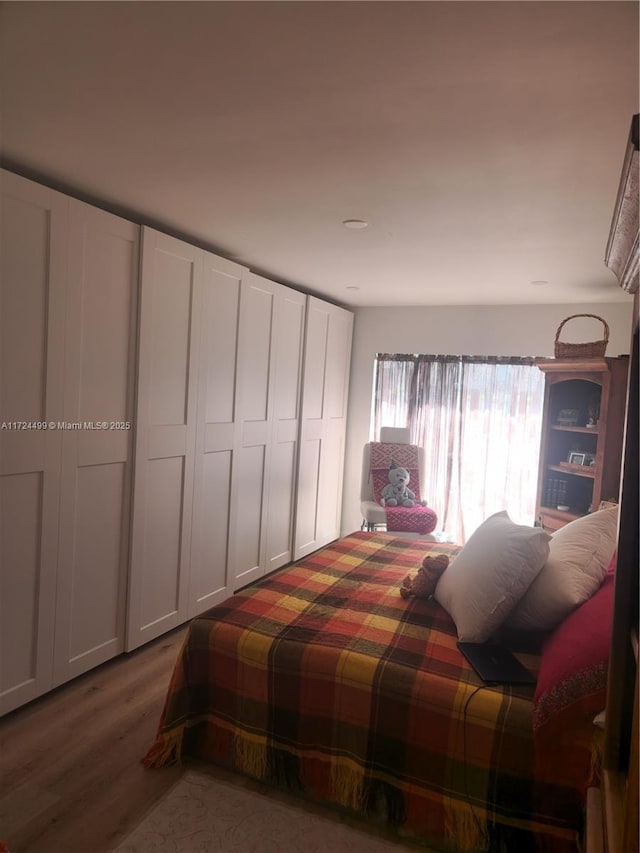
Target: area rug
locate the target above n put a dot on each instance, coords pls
(204, 815)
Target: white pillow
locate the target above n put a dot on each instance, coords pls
(490, 575)
(579, 554)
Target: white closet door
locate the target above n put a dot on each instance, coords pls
(216, 434)
(325, 386)
(307, 535)
(284, 422)
(171, 285)
(338, 360)
(250, 465)
(96, 480)
(34, 234)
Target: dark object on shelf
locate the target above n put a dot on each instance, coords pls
(589, 349)
(555, 492)
(568, 417)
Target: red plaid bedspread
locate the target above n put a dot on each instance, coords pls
(322, 676)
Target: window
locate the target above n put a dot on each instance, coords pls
(479, 420)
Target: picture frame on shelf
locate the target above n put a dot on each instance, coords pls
(576, 458)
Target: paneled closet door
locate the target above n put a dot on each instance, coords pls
(96, 452)
(269, 367)
(34, 235)
(248, 509)
(169, 344)
(325, 387)
(284, 420)
(216, 433)
(338, 360)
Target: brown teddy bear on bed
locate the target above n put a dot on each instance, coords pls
(423, 585)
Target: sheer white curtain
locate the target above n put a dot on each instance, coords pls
(479, 420)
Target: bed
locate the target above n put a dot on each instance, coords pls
(324, 679)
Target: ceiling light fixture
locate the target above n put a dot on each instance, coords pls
(356, 224)
(539, 282)
(352, 287)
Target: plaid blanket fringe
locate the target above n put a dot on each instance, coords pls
(465, 826)
(166, 750)
(345, 784)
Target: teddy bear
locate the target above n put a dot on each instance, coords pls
(423, 585)
(396, 492)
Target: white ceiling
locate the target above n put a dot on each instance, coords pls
(482, 141)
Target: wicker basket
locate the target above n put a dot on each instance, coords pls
(590, 349)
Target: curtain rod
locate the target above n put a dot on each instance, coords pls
(465, 359)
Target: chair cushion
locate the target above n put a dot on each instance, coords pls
(415, 519)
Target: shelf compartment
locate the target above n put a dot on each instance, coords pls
(583, 429)
(578, 470)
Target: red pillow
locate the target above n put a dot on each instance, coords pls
(572, 680)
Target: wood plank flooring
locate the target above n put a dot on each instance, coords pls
(71, 778)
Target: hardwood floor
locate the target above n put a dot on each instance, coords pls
(71, 778)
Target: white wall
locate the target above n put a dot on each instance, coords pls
(526, 330)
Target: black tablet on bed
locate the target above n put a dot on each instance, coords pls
(496, 664)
